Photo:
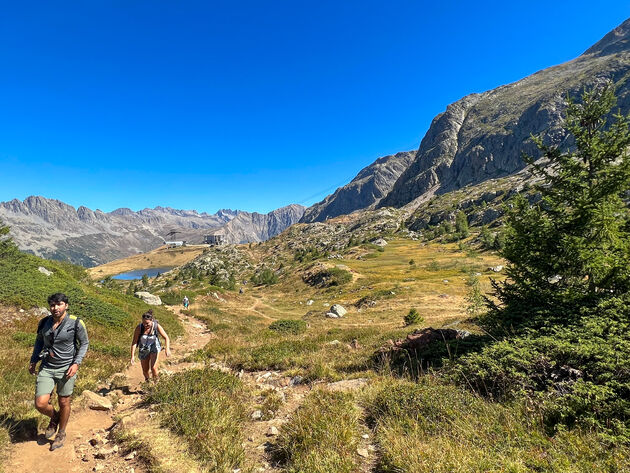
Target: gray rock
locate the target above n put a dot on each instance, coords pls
(149, 298)
(379, 242)
(339, 310)
(331, 315)
(43, 270)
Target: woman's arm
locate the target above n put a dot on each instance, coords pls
(166, 340)
(134, 342)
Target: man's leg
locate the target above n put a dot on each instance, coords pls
(64, 412)
(42, 405)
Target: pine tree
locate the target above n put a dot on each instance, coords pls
(572, 248)
(461, 224)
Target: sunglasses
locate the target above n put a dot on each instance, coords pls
(147, 317)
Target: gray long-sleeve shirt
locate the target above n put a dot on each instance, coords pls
(62, 349)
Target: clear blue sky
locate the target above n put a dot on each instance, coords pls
(250, 105)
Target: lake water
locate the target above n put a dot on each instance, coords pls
(137, 274)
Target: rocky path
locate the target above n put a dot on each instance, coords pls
(88, 446)
(126, 434)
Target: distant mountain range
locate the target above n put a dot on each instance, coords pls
(53, 229)
(475, 141)
(482, 136)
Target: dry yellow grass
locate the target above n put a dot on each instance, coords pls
(160, 257)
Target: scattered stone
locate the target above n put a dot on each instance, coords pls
(379, 242)
(365, 436)
(554, 279)
(131, 456)
(99, 467)
(273, 431)
(257, 415)
(330, 315)
(335, 342)
(21, 311)
(98, 440)
(348, 385)
(363, 452)
(310, 302)
(496, 269)
(43, 270)
(339, 310)
(445, 281)
(149, 298)
(105, 452)
(95, 402)
(296, 380)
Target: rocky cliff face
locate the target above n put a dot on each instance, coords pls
(364, 191)
(251, 227)
(483, 136)
(53, 229)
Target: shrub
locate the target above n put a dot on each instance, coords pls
(293, 327)
(330, 277)
(413, 317)
(265, 277)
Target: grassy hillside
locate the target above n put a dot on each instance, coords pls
(109, 316)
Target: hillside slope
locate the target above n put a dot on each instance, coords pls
(483, 136)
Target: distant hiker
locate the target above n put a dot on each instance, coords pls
(146, 337)
(61, 344)
(185, 301)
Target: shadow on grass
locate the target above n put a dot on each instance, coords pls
(417, 362)
(20, 430)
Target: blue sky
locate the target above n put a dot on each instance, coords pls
(246, 104)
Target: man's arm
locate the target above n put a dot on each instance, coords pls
(82, 338)
(37, 349)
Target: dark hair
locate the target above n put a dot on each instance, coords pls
(57, 297)
(148, 314)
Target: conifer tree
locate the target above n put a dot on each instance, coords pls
(571, 250)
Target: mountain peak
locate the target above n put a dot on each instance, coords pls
(616, 41)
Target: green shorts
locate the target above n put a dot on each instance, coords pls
(47, 378)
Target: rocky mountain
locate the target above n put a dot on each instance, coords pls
(364, 191)
(482, 136)
(247, 227)
(53, 229)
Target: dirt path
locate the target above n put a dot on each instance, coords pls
(78, 454)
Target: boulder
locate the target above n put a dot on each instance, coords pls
(43, 270)
(379, 242)
(149, 298)
(421, 339)
(339, 310)
(348, 385)
(331, 315)
(94, 401)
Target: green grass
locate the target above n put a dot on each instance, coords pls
(435, 427)
(321, 436)
(208, 409)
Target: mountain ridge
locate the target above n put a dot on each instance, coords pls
(53, 229)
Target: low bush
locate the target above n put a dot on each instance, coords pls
(435, 427)
(329, 277)
(265, 277)
(293, 327)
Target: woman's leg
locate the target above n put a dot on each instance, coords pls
(145, 367)
(154, 357)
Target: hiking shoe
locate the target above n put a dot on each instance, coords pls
(52, 426)
(58, 442)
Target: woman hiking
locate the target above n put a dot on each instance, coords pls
(146, 338)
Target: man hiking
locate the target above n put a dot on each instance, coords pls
(61, 344)
(185, 302)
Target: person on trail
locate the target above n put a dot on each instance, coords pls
(146, 338)
(61, 345)
(185, 301)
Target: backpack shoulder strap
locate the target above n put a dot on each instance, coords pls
(41, 323)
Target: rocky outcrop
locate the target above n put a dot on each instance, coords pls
(364, 191)
(252, 227)
(55, 230)
(483, 136)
